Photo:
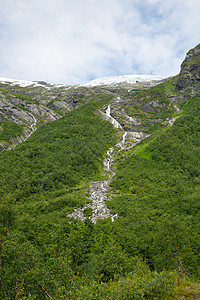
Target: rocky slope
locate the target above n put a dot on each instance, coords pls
(136, 102)
(189, 77)
(31, 104)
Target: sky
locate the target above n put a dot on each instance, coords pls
(74, 41)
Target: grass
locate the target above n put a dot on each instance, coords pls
(140, 151)
(165, 88)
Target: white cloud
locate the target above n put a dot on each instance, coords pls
(74, 41)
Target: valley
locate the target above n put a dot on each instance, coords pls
(99, 188)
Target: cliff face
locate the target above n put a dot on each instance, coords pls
(189, 77)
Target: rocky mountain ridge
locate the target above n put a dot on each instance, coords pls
(189, 77)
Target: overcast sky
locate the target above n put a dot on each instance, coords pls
(74, 41)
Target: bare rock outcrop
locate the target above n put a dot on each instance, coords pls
(189, 77)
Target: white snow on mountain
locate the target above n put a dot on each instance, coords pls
(22, 83)
(114, 80)
(122, 79)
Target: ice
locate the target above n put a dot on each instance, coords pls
(121, 79)
(22, 83)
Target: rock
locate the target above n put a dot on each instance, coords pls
(189, 76)
(98, 190)
(13, 113)
(3, 145)
(128, 123)
(61, 106)
(11, 110)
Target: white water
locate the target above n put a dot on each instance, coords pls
(176, 108)
(32, 126)
(114, 217)
(25, 135)
(124, 137)
(115, 123)
(107, 161)
(98, 190)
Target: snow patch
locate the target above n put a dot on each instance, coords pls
(22, 83)
(122, 79)
(25, 83)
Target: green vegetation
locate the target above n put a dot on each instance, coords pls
(26, 98)
(87, 212)
(157, 192)
(150, 252)
(9, 130)
(59, 155)
(194, 59)
(164, 89)
(19, 93)
(150, 107)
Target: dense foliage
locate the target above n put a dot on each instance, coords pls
(60, 154)
(9, 130)
(45, 254)
(157, 196)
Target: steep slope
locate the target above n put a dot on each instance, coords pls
(189, 77)
(154, 190)
(30, 104)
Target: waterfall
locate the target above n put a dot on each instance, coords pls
(98, 190)
(32, 126)
(115, 123)
(124, 137)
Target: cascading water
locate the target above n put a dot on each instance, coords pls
(115, 123)
(26, 133)
(124, 137)
(99, 189)
(32, 125)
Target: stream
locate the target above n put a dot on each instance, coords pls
(98, 190)
(32, 127)
(25, 135)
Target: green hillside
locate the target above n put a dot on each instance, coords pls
(157, 195)
(151, 251)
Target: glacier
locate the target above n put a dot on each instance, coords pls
(122, 79)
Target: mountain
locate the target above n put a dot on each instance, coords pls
(99, 191)
(26, 105)
(189, 77)
(118, 80)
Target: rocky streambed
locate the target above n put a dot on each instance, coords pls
(98, 190)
